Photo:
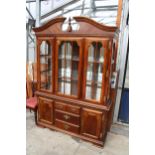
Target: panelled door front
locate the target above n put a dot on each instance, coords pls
(45, 110)
(91, 123)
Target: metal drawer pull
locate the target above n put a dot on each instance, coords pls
(66, 117)
(66, 126)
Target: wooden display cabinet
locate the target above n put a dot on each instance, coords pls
(74, 69)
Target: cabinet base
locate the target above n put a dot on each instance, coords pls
(95, 142)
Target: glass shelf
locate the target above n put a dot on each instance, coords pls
(68, 87)
(69, 59)
(93, 93)
(45, 55)
(67, 73)
(91, 83)
(93, 61)
(63, 78)
(45, 71)
(46, 86)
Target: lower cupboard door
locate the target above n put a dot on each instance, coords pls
(45, 110)
(91, 123)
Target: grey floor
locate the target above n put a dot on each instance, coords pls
(42, 141)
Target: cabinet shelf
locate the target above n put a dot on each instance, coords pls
(45, 85)
(68, 59)
(92, 82)
(62, 78)
(95, 61)
(46, 56)
(45, 71)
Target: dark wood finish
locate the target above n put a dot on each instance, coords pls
(68, 117)
(88, 117)
(67, 109)
(66, 126)
(92, 140)
(80, 103)
(45, 110)
(88, 27)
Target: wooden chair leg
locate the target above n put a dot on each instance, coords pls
(35, 115)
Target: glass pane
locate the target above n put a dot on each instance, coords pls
(68, 69)
(45, 66)
(74, 70)
(91, 52)
(94, 71)
(90, 71)
(93, 91)
(45, 48)
(99, 53)
(61, 66)
(62, 51)
(60, 86)
(74, 86)
(68, 62)
(75, 52)
(98, 74)
(96, 52)
(68, 51)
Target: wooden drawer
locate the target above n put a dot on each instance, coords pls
(66, 126)
(68, 117)
(67, 107)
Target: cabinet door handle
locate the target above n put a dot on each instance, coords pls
(66, 117)
(66, 127)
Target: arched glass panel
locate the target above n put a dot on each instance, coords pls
(45, 66)
(94, 71)
(68, 62)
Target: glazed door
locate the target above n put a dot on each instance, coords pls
(45, 56)
(68, 66)
(91, 123)
(95, 69)
(45, 110)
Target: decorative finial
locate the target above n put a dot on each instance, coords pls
(69, 29)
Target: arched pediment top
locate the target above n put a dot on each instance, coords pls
(49, 23)
(87, 26)
(96, 24)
